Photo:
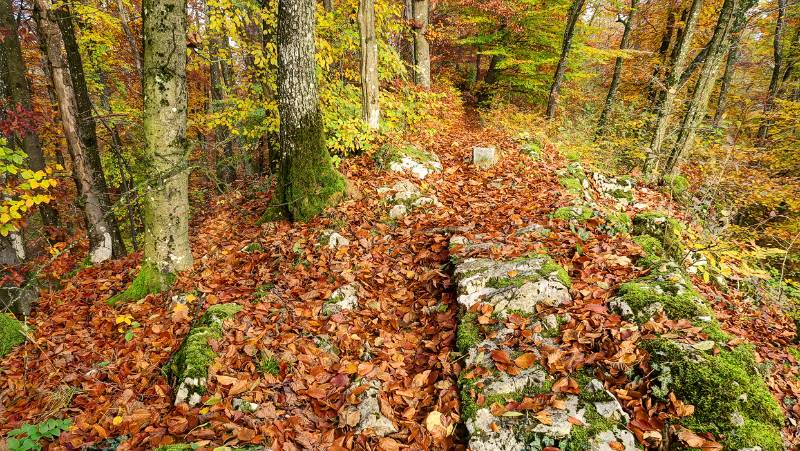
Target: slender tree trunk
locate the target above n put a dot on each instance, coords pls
(680, 52)
(731, 19)
(663, 53)
(478, 65)
(86, 123)
(220, 82)
(612, 89)
(307, 181)
(18, 91)
(370, 108)
(777, 53)
(125, 22)
(569, 33)
(101, 241)
(166, 225)
(727, 79)
(422, 52)
(328, 5)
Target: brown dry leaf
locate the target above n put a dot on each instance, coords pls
(500, 356)
(226, 380)
(544, 417)
(525, 361)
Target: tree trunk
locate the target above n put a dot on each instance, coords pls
(328, 5)
(307, 181)
(220, 82)
(727, 79)
(731, 19)
(125, 21)
(18, 91)
(422, 52)
(612, 89)
(86, 123)
(569, 33)
(370, 108)
(101, 241)
(166, 225)
(663, 52)
(777, 52)
(666, 105)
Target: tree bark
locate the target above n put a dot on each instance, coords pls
(663, 52)
(101, 241)
(774, 82)
(422, 52)
(680, 51)
(615, 79)
(328, 5)
(125, 21)
(307, 181)
(370, 107)
(220, 82)
(18, 91)
(727, 79)
(86, 123)
(731, 20)
(569, 33)
(166, 218)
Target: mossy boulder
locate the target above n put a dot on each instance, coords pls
(677, 186)
(11, 333)
(618, 188)
(663, 228)
(573, 178)
(150, 280)
(188, 367)
(400, 158)
(729, 395)
(576, 213)
(617, 222)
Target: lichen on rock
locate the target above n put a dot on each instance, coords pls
(188, 367)
(366, 415)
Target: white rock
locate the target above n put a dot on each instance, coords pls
(603, 439)
(335, 241)
(484, 438)
(370, 413)
(484, 157)
(398, 211)
(244, 406)
(561, 425)
(422, 201)
(343, 298)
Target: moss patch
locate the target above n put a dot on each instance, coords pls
(731, 399)
(149, 281)
(468, 333)
(677, 185)
(618, 222)
(677, 300)
(573, 185)
(10, 333)
(578, 213)
(666, 230)
(389, 154)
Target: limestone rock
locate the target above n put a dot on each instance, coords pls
(620, 189)
(408, 158)
(398, 211)
(484, 157)
(369, 414)
(18, 300)
(335, 240)
(343, 298)
(602, 441)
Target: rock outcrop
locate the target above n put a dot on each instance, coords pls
(408, 158)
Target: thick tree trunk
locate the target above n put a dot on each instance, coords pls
(422, 52)
(370, 107)
(125, 22)
(166, 224)
(569, 33)
(101, 234)
(615, 79)
(307, 181)
(774, 82)
(672, 85)
(731, 19)
(13, 73)
(727, 79)
(86, 123)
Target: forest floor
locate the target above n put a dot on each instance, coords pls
(88, 362)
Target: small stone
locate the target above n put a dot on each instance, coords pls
(550, 322)
(398, 211)
(244, 406)
(343, 298)
(370, 416)
(484, 157)
(422, 201)
(335, 241)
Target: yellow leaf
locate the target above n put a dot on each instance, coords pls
(127, 319)
(117, 420)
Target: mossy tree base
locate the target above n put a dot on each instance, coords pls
(11, 333)
(149, 281)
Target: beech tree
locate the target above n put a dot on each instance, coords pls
(422, 51)
(727, 79)
(101, 225)
(777, 62)
(573, 16)
(220, 82)
(307, 180)
(370, 107)
(166, 201)
(627, 22)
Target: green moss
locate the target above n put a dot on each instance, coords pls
(650, 245)
(269, 365)
(195, 354)
(666, 230)
(572, 184)
(389, 153)
(469, 392)
(11, 334)
(677, 185)
(714, 332)
(677, 300)
(795, 352)
(618, 222)
(720, 387)
(578, 213)
(149, 281)
(551, 267)
(468, 333)
(177, 447)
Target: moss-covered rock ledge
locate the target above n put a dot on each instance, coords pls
(11, 333)
(188, 368)
(507, 402)
(724, 384)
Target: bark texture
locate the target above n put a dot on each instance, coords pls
(166, 203)
(672, 85)
(220, 79)
(727, 80)
(615, 79)
(731, 20)
(307, 181)
(101, 242)
(422, 51)
(774, 82)
(566, 45)
(370, 106)
(13, 76)
(125, 20)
